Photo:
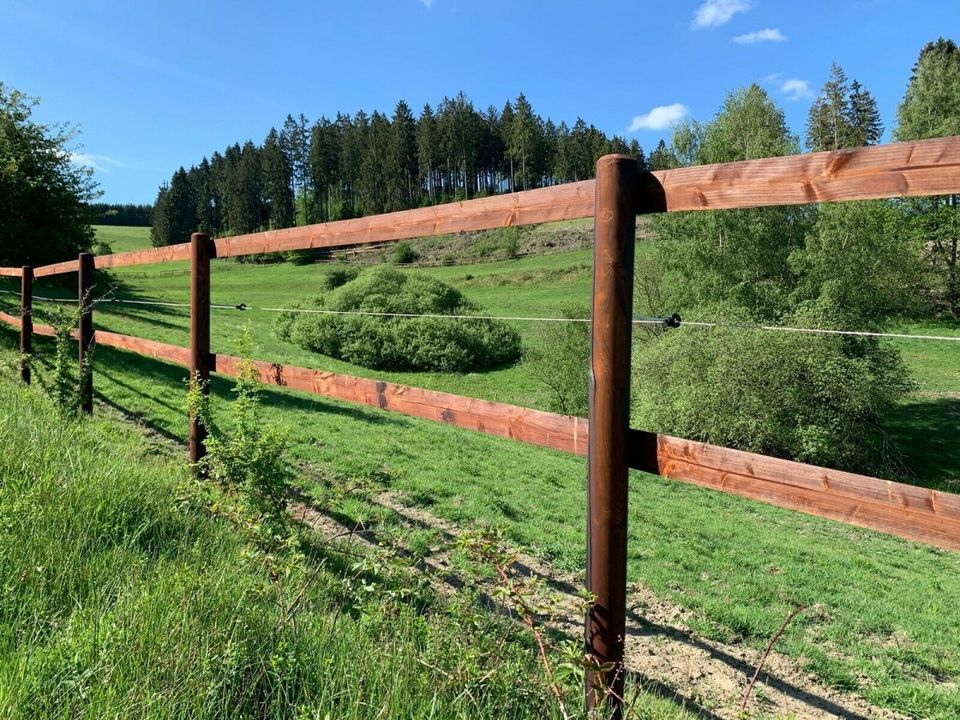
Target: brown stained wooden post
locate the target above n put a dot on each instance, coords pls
(26, 322)
(614, 237)
(200, 252)
(85, 300)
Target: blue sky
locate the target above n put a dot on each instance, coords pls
(156, 85)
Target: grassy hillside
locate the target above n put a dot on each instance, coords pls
(123, 239)
(121, 596)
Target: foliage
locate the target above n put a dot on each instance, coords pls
(43, 216)
(403, 253)
(812, 398)
(559, 358)
(844, 115)
(403, 343)
(362, 164)
(931, 108)
(339, 275)
(931, 104)
(862, 260)
(126, 214)
(65, 382)
(249, 457)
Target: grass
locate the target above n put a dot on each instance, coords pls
(881, 618)
(123, 239)
(121, 595)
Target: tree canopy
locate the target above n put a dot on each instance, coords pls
(43, 216)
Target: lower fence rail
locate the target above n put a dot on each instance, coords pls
(914, 513)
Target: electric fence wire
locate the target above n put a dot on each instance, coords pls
(673, 321)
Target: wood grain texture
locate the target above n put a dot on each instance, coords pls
(535, 427)
(559, 202)
(924, 167)
(150, 348)
(914, 513)
(9, 272)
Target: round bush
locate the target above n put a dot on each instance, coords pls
(403, 343)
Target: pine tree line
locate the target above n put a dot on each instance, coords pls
(844, 115)
(363, 164)
(120, 214)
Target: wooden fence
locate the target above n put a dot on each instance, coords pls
(620, 192)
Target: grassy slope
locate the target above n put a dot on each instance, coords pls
(882, 618)
(122, 238)
(121, 597)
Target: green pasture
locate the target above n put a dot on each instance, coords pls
(880, 618)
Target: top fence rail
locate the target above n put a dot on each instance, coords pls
(925, 167)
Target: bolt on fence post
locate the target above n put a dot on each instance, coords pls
(200, 252)
(26, 322)
(85, 300)
(614, 237)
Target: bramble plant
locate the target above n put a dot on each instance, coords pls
(250, 456)
(66, 380)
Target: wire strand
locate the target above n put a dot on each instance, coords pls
(673, 321)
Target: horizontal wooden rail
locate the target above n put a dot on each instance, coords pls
(14, 321)
(914, 513)
(924, 167)
(11, 272)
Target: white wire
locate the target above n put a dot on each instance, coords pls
(823, 331)
(635, 321)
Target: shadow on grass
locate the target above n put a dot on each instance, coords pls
(153, 373)
(927, 433)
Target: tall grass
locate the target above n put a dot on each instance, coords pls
(121, 597)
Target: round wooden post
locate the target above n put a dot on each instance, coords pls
(85, 300)
(614, 237)
(200, 252)
(26, 322)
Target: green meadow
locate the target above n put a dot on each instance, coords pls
(880, 618)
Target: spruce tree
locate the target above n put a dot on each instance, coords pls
(866, 128)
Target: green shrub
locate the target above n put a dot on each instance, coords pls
(404, 254)
(340, 275)
(402, 343)
(560, 359)
(811, 398)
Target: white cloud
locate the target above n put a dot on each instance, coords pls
(714, 13)
(427, 3)
(659, 118)
(796, 89)
(102, 163)
(758, 36)
(772, 77)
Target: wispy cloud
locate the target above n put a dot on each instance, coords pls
(796, 89)
(427, 3)
(759, 36)
(102, 163)
(714, 13)
(662, 116)
(771, 77)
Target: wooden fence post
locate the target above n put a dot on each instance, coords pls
(85, 300)
(200, 252)
(614, 237)
(26, 322)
